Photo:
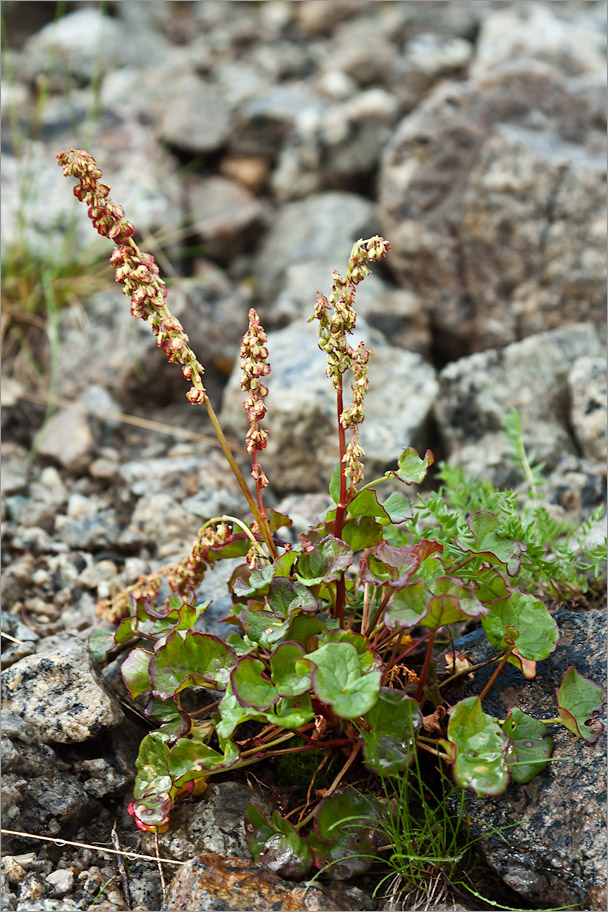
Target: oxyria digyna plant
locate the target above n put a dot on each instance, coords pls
(335, 637)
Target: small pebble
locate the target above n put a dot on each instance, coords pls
(62, 881)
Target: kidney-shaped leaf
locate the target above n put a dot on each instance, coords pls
(249, 687)
(346, 836)
(579, 702)
(485, 539)
(530, 745)
(186, 659)
(412, 469)
(286, 678)
(408, 605)
(325, 562)
(286, 596)
(481, 748)
(277, 844)
(521, 612)
(389, 744)
(337, 679)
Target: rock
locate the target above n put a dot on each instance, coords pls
(86, 42)
(335, 146)
(318, 232)
(475, 394)
(556, 854)
(302, 448)
(211, 881)
(39, 794)
(158, 521)
(213, 824)
(482, 199)
(66, 438)
(62, 881)
(265, 120)
(212, 310)
(428, 57)
(208, 130)
(317, 17)
(571, 42)
(578, 486)
(224, 215)
(61, 694)
(587, 385)
(47, 905)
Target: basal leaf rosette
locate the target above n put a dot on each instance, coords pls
(481, 747)
(389, 736)
(579, 703)
(187, 658)
(339, 680)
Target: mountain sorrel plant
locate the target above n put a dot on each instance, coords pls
(336, 636)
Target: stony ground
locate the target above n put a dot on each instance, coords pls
(251, 144)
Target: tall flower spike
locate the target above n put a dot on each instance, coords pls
(254, 366)
(136, 271)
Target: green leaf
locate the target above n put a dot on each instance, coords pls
(346, 835)
(334, 485)
(337, 680)
(490, 586)
(481, 747)
(291, 712)
(277, 845)
(305, 629)
(263, 627)
(325, 563)
(231, 714)
(362, 532)
(530, 747)
(389, 745)
(485, 539)
(135, 672)
(277, 520)
(528, 617)
(366, 504)
(451, 601)
(390, 564)
(286, 596)
(398, 507)
(288, 681)
(579, 702)
(249, 687)
(257, 584)
(412, 469)
(369, 661)
(190, 658)
(408, 605)
(100, 644)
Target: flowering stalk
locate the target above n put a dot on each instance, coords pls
(254, 366)
(139, 275)
(337, 319)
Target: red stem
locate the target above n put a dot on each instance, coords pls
(503, 662)
(427, 664)
(342, 504)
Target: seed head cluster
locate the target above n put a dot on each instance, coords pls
(136, 271)
(337, 319)
(254, 366)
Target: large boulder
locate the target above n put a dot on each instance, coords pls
(492, 196)
(556, 854)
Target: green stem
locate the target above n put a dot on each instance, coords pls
(342, 504)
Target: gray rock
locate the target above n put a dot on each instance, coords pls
(265, 120)
(427, 57)
(62, 695)
(213, 824)
(302, 448)
(67, 439)
(318, 232)
(482, 199)
(195, 117)
(159, 521)
(212, 310)
(335, 146)
(47, 905)
(86, 42)
(225, 215)
(578, 487)
(571, 42)
(61, 880)
(556, 854)
(587, 384)
(531, 376)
